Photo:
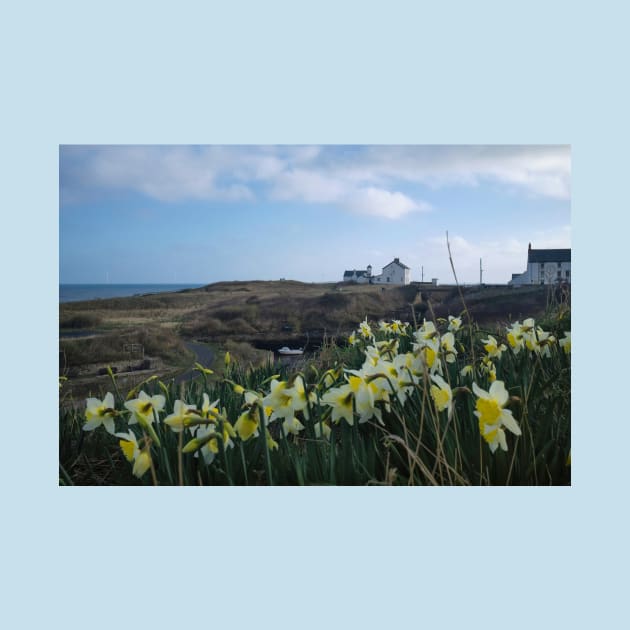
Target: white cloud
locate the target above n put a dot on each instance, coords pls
(542, 170)
(361, 179)
(382, 203)
(310, 186)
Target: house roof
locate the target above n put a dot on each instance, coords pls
(548, 255)
(397, 262)
(352, 272)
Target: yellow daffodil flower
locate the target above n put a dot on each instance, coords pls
(454, 323)
(280, 400)
(426, 333)
(247, 424)
(145, 408)
(205, 436)
(181, 416)
(292, 426)
(492, 415)
(100, 412)
(340, 399)
(515, 337)
(300, 400)
(565, 343)
(141, 458)
(493, 349)
(447, 343)
(365, 330)
(442, 394)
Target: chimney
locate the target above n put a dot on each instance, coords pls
(396, 260)
(530, 246)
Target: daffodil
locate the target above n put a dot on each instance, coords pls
(442, 394)
(383, 379)
(397, 327)
(181, 416)
(454, 323)
(246, 426)
(292, 426)
(539, 341)
(141, 458)
(365, 330)
(340, 399)
(364, 393)
(493, 348)
(145, 408)
(447, 343)
(515, 337)
(280, 400)
(565, 343)
(489, 368)
(427, 352)
(100, 412)
(300, 398)
(206, 436)
(493, 416)
(426, 334)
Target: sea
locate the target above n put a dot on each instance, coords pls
(79, 292)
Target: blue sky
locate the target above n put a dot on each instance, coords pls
(202, 214)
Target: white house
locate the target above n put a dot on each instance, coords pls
(393, 273)
(545, 266)
(361, 276)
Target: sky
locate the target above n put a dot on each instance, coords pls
(203, 214)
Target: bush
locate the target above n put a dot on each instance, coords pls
(83, 320)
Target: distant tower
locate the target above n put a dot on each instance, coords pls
(369, 271)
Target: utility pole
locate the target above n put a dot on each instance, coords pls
(422, 273)
(480, 273)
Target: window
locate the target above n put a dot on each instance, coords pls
(559, 265)
(559, 274)
(567, 273)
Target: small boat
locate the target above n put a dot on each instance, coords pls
(286, 350)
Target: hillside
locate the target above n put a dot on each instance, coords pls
(245, 316)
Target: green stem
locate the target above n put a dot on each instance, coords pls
(263, 437)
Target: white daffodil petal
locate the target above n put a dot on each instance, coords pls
(508, 421)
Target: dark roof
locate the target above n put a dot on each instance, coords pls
(359, 272)
(548, 255)
(397, 261)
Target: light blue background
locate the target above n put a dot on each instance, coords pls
(272, 72)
